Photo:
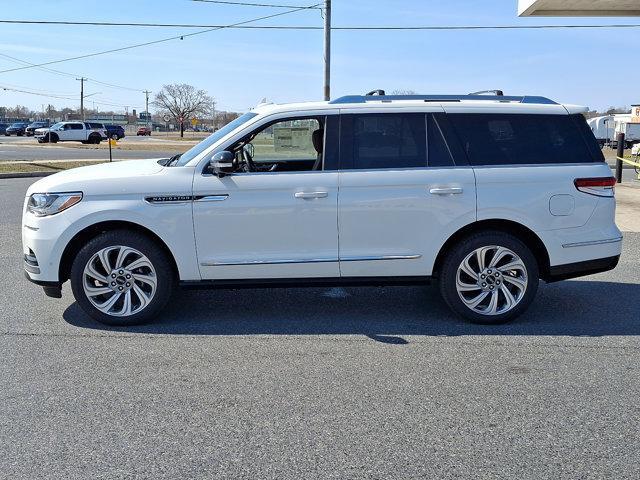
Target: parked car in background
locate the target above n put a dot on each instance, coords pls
(484, 195)
(3, 128)
(115, 131)
(144, 131)
(32, 127)
(17, 129)
(72, 132)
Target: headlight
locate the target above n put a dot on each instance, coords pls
(44, 204)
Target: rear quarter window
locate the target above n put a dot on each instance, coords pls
(521, 139)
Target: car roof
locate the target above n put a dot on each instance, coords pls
(452, 103)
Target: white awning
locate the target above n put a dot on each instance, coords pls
(579, 8)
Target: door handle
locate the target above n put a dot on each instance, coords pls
(309, 195)
(446, 191)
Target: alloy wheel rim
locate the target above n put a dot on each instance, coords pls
(491, 280)
(119, 281)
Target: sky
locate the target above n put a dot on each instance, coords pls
(240, 67)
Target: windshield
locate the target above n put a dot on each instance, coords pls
(56, 125)
(189, 155)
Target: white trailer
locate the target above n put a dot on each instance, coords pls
(603, 128)
(631, 132)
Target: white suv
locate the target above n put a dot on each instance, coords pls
(84, 132)
(485, 194)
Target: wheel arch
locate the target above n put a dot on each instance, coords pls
(85, 235)
(523, 233)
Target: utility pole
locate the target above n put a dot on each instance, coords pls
(146, 108)
(327, 50)
(81, 80)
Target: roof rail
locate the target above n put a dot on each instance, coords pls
(442, 98)
(499, 93)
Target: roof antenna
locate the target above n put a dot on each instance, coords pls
(497, 93)
(375, 92)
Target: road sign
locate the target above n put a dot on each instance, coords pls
(166, 118)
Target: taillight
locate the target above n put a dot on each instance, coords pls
(600, 186)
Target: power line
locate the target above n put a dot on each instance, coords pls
(312, 27)
(66, 74)
(13, 85)
(41, 93)
(154, 42)
(48, 95)
(249, 4)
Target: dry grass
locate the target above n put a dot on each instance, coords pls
(35, 166)
(146, 147)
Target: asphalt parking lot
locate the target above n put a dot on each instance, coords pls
(320, 383)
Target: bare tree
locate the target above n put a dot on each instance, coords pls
(183, 102)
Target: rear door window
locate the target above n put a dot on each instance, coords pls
(386, 140)
(520, 139)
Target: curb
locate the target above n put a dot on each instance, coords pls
(25, 174)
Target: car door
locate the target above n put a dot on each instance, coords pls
(273, 224)
(403, 192)
(71, 131)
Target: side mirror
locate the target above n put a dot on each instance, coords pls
(222, 163)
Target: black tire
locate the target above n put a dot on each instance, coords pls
(95, 138)
(163, 266)
(457, 254)
(54, 138)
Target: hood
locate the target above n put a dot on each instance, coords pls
(104, 178)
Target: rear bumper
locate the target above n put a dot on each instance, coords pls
(580, 269)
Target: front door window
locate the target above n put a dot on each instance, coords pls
(292, 145)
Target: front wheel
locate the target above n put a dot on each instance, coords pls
(122, 278)
(489, 278)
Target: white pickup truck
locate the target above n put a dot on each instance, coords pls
(72, 132)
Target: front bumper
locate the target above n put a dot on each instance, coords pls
(51, 289)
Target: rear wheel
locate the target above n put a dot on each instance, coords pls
(489, 278)
(122, 278)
